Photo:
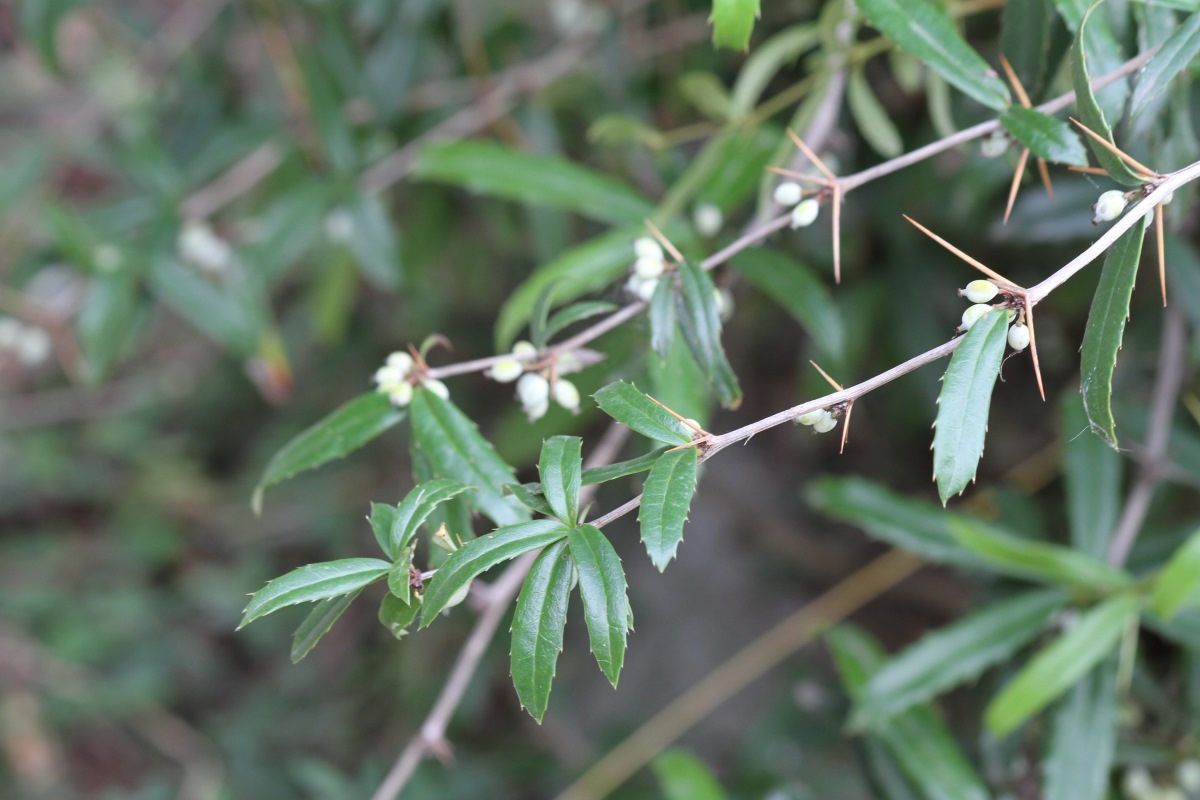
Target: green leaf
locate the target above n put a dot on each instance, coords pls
(700, 323)
(104, 320)
(345, 430)
(318, 622)
(682, 776)
(541, 315)
(455, 449)
(662, 316)
(230, 319)
(793, 285)
(1039, 561)
(874, 124)
(492, 169)
(1175, 55)
(578, 312)
(927, 32)
(314, 582)
(560, 466)
(621, 469)
(1025, 40)
(917, 739)
(382, 518)
(1046, 137)
(39, 24)
(705, 92)
(481, 554)
(374, 242)
(626, 404)
(1105, 330)
(964, 401)
(666, 498)
(733, 21)
(768, 58)
(1061, 664)
(537, 627)
(325, 110)
(1083, 738)
(738, 158)
(416, 507)
(396, 615)
(1092, 482)
(399, 577)
(602, 587)
(1090, 112)
(1176, 585)
(530, 495)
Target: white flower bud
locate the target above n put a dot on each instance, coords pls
(400, 361)
(107, 257)
(724, 303)
(1187, 773)
(438, 388)
(1018, 337)
(788, 193)
(1109, 206)
(1166, 201)
(536, 411)
(994, 144)
(532, 389)
(339, 226)
(645, 247)
(811, 417)
(524, 350)
(401, 394)
(34, 346)
(648, 268)
(506, 370)
(203, 249)
(979, 291)
(388, 378)
(826, 423)
(708, 219)
(1137, 783)
(566, 395)
(643, 289)
(804, 214)
(973, 314)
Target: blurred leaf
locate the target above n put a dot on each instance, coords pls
(104, 321)
(537, 627)
(1105, 330)
(927, 32)
(733, 21)
(1025, 40)
(627, 405)
(1092, 481)
(318, 622)
(768, 58)
(700, 324)
(602, 587)
(345, 430)
(960, 652)
(455, 449)
(1061, 664)
(491, 169)
(793, 286)
(325, 109)
(566, 317)
(24, 167)
(682, 776)
(1039, 561)
(1045, 136)
(1083, 738)
(396, 615)
(374, 242)
(964, 401)
(738, 159)
(480, 555)
(560, 466)
(613, 130)
(1176, 54)
(39, 24)
(314, 582)
(705, 92)
(225, 317)
(662, 316)
(871, 118)
(1092, 40)
(1176, 584)
(416, 507)
(666, 497)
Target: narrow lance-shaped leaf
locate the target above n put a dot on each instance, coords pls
(605, 605)
(400, 578)
(964, 402)
(537, 628)
(666, 497)
(1046, 137)
(382, 518)
(662, 316)
(1105, 330)
(1039, 561)
(530, 495)
(1090, 113)
(700, 324)
(1025, 40)
(624, 403)
(1179, 580)
(481, 554)
(560, 466)
(1092, 480)
(1083, 738)
(342, 432)
(396, 615)
(318, 622)
(314, 582)
(682, 776)
(960, 652)
(374, 241)
(871, 118)
(591, 476)
(574, 313)
(793, 286)
(416, 507)
(733, 21)
(1172, 58)
(927, 32)
(1061, 664)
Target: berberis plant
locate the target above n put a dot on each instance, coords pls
(1055, 634)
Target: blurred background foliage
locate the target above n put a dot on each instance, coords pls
(218, 219)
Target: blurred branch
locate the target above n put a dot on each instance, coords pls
(233, 183)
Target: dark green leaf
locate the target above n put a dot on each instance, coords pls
(564, 318)
(1105, 330)
(399, 577)
(318, 622)
(662, 316)
(1176, 585)
(541, 315)
(737, 161)
(396, 615)
(733, 21)
(964, 402)
(530, 495)
(768, 58)
(345, 430)
(1176, 54)
(602, 587)
(39, 23)
(374, 242)
(961, 652)
(416, 507)
(382, 519)
(325, 109)
(871, 118)
(455, 449)
(666, 498)
(491, 169)
(927, 32)
(793, 286)
(1045, 136)
(700, 323)
(314, 582)
(682, 776)
(537, 627)
(622, 468)
(1025, 40)
(1083, 738)
(481, 554)
(1039, 561)
(560, 466)
(1092, 481)
(624, 403)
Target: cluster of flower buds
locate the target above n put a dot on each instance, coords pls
(1138, 784)
(980, 293)
(822, 420)
(395, 379)
(647, 269)
(535, 387)
(30, 344)
(804, 212)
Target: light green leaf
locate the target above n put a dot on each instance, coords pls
(964, 402)
(230, 319)
(733, 21)
(314, 582)
(560, 466)
(396, 615)
(1061, 664)
(105, 320)
(960, 652)
(666, 497)
(1176, 54)
(537, 628)
(700, 324)
(793, 286)
(705, 92)
(768, 58)
(626, 404)
(492, 169)
(455, 449)
(578, 312)
(1105, 330)
(682, 776)
(1083, 738)
(399, 577)
(479, 555)
(605, 606)
(1176, 585)
(318, 622)
(874, 124)
(1039, 561)
(416, 507)
(374, 242)
(1046, 137)
(1092, 482)
(662, 316)
(345, 430)
(382, 518)
(727, 170)
(540, 315)
(927, 32)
